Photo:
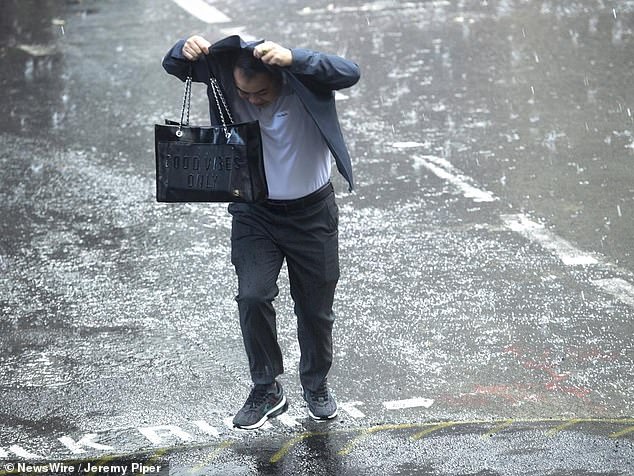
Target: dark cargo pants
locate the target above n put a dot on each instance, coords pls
(306, 235)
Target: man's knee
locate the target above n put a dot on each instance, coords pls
(256, 296)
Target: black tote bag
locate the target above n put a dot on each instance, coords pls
(218, 163)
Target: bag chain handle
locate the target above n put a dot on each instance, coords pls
(218, 97)
(187, 96)
(215, 88)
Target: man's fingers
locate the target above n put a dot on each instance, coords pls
(273, 58)
(191, 51)
(273, 54)
(267, 57)
(263, 49)
(202, 45)
(194, 47)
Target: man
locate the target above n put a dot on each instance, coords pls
(291, 93)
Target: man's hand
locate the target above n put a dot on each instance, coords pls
(195, 47)
(273, 54)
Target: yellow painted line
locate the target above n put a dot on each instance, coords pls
(434, 429)
(498, 428)
(346, 450)
(286, 447)
(624, 432)
(363, 433)
(153, 458)
(565, 425)
(367, 432)
(212, 456)
(502, 425)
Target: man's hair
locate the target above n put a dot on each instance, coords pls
(252, 66)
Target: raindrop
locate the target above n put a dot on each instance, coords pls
(536, 57)
(533, 90)
(614, 13)
(618, 211)
(523, 32)
(29, 68)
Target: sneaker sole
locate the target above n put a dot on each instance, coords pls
(272, 413)
(323, 418)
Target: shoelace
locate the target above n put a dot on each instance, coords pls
(321, 393)
(257, 396)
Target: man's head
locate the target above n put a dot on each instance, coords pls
(254, 81)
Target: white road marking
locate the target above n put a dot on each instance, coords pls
(207, 428)
(536, 232)
(77, 447)
(203, 11)
(409, 403)
(19, 451)
(351, 409)
(152, 433)
(444, 170)
(519, 223)
(617, 287)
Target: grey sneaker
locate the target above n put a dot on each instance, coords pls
(263, 403)
(321, 403)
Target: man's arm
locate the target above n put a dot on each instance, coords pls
(328, 71)
(331, 71)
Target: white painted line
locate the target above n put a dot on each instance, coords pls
(20, 452)
(617, 287)
(207, 428)
(351, 409)
(566, 252)
(444, 170)
(203, 11)
(152, 433)
(409, 403)
(77, 447)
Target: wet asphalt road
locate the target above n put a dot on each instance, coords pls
(486, 302)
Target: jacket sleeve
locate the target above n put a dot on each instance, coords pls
(177, 65)
(323, 70)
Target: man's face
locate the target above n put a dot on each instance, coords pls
(260, 90)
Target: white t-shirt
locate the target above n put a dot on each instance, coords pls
(297, 160)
